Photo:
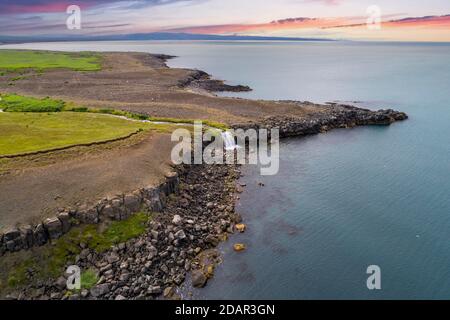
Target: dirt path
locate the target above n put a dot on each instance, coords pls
(33, 193)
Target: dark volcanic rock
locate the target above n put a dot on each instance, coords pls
(331, 117)
(201, 80)
(198, 279)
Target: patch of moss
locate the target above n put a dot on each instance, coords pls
(19, 276)
(89, 278)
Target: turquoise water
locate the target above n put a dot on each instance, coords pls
(346, 199)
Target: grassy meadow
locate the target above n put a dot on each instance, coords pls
(14, 60)
(28, 132)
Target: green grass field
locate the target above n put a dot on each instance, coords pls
(14, 60)
(16, 103)
(28, 132)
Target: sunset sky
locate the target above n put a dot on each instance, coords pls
(403, 20)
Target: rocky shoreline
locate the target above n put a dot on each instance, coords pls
(203, 81)
(334, 116)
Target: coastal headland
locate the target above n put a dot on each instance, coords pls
(51, 200)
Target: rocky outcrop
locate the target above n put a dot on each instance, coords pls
(333, 116)
(201, 80)
(117, 208)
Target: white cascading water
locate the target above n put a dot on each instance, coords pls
(228, 139)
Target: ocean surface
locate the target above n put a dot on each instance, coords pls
(346, 199)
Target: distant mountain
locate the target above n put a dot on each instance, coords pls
(149, 36)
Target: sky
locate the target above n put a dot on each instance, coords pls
(394, 20)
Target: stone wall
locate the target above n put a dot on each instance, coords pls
(117, 208)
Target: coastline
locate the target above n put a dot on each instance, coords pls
(172, 243)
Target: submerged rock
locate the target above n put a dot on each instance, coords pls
(198, 279)
(241, 227)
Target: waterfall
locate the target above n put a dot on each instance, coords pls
(228, 139)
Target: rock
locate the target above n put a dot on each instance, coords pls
(152, 252)
(53, 227)
(109, 212)
(11, 234)
(132, 203)
(61, 283)
(154, 290)
(87, 215)
(210, 271)
(27, 236)
(84, 293)
(99, 290)
(113, 257)
(198, 279)
(120, 298)
(64, 217)
(180, 235)
(55, 296)
(238, 247)
(13, 240)
(177, 220)
(169, 292)
(184, 203)
(164, 268)
(39, 235)
(241, 227)
(155, 234)
(212, 240)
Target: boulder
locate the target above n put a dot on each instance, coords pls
(64, 217)
(132, 202)
(169, 292)
(198, 279)
(177, 220)
(40, 237)
(11, 234)
(87, 215)
(154, 290)
(241, 227)
(53, 227)
(108, 211)
(13, 240)
(99, 290)
(27, 236)
(180, 235)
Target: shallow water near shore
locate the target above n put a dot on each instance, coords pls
(346, 199)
